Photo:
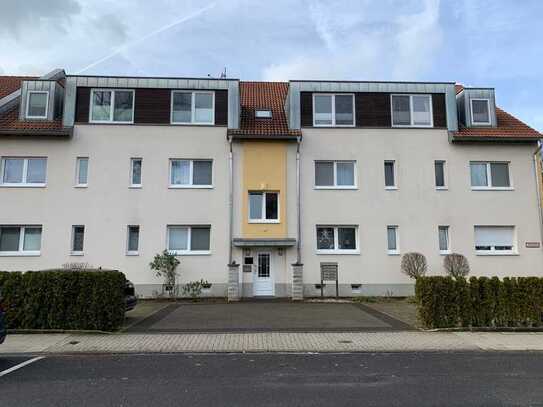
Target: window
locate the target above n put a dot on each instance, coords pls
(112, 106)
(37, 104)
(20, 240)
(193, 107)
(390, 175)
(333, 110)
(392, 240)
(337, 239)
(490, 175)
(335, 174)
(480, 111)
(443, 237)
(133, 240)
(263, 114)
(263, 207)
(189, 239)
(439, 167)
(81, 171)
(78, 239)
(495, 239)
(135, 172)
(191, 173)
(412, 111)
(24, 171)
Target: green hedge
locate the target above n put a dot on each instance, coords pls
(444, 302)
(63, 299)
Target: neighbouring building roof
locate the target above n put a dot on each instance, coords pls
(263, 96)
(508, 128)
(9, 84)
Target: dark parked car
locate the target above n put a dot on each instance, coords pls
(2, 322)
(130, 296)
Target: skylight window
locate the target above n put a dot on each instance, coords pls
(263, 114)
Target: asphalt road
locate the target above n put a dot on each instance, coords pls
(399, 379)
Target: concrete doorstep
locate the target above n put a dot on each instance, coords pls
(407, 341)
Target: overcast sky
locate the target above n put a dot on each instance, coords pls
(494, 43)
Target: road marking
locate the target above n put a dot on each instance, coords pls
(20, 365)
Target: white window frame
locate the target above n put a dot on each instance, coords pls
(263, 113)
(411, 111)
(112, 106)
(191, 174)
(132, 252)
(493, 251)
(473, 122)
(263, 219)
(27, 114)
(23, 183)
(395, 172)
(336, 186)
(77, 252)
(445, 175)
(333, 95)
(131, 175)
(77, 168)
(192, 107)
(189, 251)
(336, 249)
(393, 252)
(489, 187)
(448, 250)
(21, 251)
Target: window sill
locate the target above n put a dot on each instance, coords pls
(135, 186)
(414, 126)
(337, 188)
(190, 253)
(81, 186)
(355, 252)
(393, 252)
(37, 118)
(77, 253)
(496, 253)
(492, 188)
(391, 188)
(445, 252)
(23, 185)
(20, 254)
(193, 124)
(191, 187)
(263, 221)
(132, 253)
(442, 188)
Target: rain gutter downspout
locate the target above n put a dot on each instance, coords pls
(230, 199)
(298, 204)
(538, 188)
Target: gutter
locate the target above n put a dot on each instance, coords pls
(298, 205)
(67, 131)
(538, 189)
(230, 199)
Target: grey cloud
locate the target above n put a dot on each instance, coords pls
(111, 27)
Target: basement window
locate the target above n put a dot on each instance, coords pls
(263, 114)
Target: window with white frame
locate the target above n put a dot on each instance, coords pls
(393, 246)
(191, 173)
(480, 111)
(189, 239)
(443, 239)
(193, 107)
(23, 171)
(135, 171)
(37, 104)
(112, 106)
(133, 240)
(20, 240)
(412, 111)
(490, 175)
(78, 239)
(390, 174)
(495, 239)
(335, 174)
(81, 171)
(440, 177)
(263, 207)
(337, 239)
(333, 109)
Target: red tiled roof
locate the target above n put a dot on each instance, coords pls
(266, 96)
(508, 127)
(9, 84)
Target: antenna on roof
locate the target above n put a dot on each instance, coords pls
(223, 74)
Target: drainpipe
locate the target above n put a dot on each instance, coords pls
(230, 199)
(298, 204)
(538, 186)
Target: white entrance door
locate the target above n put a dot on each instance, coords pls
(262, 277)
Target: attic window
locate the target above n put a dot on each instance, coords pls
(36, 106)
(263, 114)
(480, 111)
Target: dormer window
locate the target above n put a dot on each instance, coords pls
(333, 110)
(37, 104)
(112, 106)
(480, 112)
(263, 114)
(412, 111)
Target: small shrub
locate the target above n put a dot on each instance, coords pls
(165, 265)
(414, 265)
(193, 289)
(456, 265)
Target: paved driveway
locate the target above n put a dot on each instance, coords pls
(268, 316)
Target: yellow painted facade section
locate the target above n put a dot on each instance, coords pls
(264, 169)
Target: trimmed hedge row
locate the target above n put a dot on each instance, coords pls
(63, 299)
(444, 302)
